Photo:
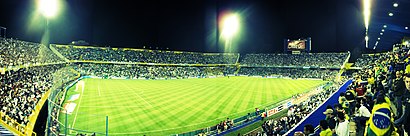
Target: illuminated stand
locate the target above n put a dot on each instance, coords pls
(297, 46)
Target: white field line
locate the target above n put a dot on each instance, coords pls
(78, 106)
(99, 93)
(133, 92)
(114, 106)
(141, 98)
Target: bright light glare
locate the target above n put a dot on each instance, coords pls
(384, 26)
(230, 26)
(366, 38)
(390, 14)
(395, 5)
(48, 8)
(366, 12)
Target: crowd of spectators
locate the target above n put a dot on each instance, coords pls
(150, 72)
(328, 60)
(21, 89)
(378, 100)
(279, 126)
(288, 72)
(146, 56)
(380, 87)
(367, 59)
(15, 52)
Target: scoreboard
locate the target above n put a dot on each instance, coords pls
(296, 44)
(299, 45)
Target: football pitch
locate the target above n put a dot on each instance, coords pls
(164, 107)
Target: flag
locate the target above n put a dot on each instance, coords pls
(381, 121)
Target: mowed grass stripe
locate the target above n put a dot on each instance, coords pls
(149, 117)
(251, 100)
(215, 102)
(179, 105)
(239, 101)
(198, 107)
(225, 106)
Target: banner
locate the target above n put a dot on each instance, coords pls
(274, 110)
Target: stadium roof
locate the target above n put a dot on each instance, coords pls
(395, 17)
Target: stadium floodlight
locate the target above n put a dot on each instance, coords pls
(48, 8)
(378, 38)
(406, 27)
(366, 12)
(391, 14)
(395, 4)
(384, 26)
(230, 26)
(382, 30)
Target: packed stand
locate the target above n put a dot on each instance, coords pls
(16, 52)
(296, 113)
(378, 100)
(20, 90)
(149, 72)
(367, 59)
(288, 72)
(145, 56)
(328, 60)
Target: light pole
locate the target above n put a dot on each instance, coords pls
(48, 9)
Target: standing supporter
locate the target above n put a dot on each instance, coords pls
(350, 98)
(360, 90)
(331, 120)
(342, 127)
(404, 120)
(362, 115)
(398, 91)
(309, 130)
(324, 128)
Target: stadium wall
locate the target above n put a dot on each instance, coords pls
(53, 96)
(314, 117)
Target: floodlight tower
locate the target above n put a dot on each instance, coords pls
(230, 27)
(367, 13)
(48, 9)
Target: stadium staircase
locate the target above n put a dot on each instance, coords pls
(58, 53)
(5, 132)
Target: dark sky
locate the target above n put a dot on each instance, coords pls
(334, 25)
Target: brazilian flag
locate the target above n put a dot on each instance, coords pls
(380, 122)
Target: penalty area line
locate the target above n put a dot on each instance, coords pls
(81, 98)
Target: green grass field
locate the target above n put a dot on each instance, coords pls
(163, 107)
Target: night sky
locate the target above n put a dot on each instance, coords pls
(334, 25)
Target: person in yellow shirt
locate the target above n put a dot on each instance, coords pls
(324, 128)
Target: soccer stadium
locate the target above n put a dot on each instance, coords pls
(205, 68)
